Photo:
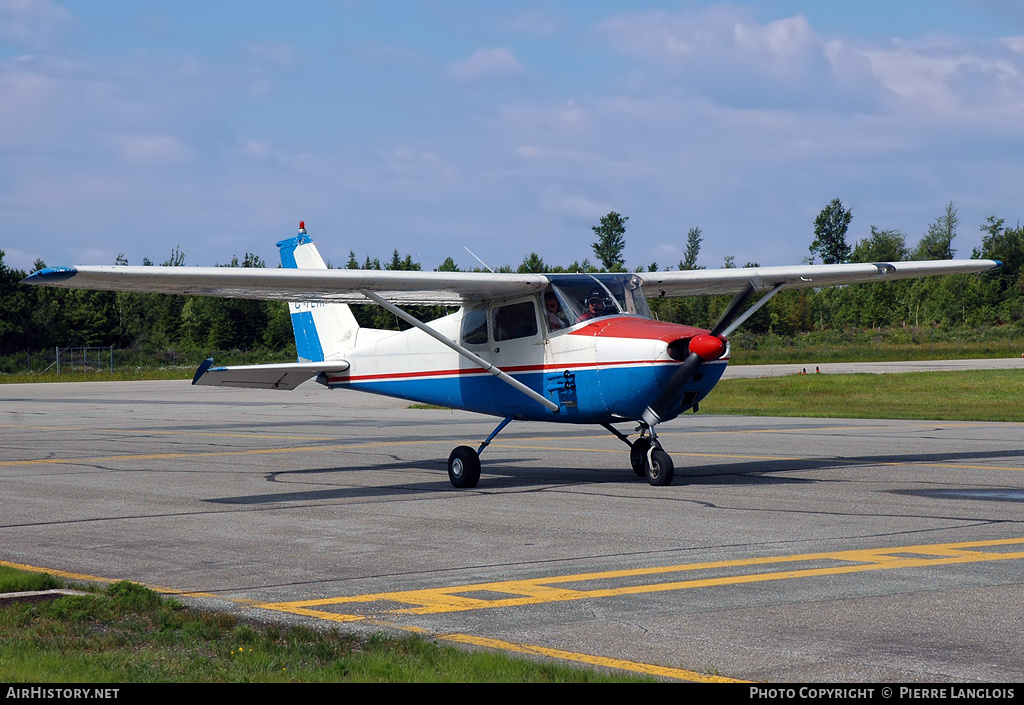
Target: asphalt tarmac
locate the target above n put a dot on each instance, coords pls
(786, 550)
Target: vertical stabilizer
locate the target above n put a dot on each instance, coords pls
(322, 331)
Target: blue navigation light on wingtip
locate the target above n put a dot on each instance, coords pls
(50, 274)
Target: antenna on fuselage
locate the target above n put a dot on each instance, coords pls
(479, 260)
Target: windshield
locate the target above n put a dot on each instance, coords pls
(586, 296)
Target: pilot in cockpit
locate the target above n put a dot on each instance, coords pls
(595, 305)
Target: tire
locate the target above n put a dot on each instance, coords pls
(638, 455)
(464, 467)
(661, 470)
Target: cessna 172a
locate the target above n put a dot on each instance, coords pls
(569, 348)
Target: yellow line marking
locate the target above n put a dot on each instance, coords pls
(512, 445)
(210, 454)
(645, 668)
(142, 431)
(734, 456)
(514, 593)
(56, 573)
(634, 666)
(98, 579)
(545, 590)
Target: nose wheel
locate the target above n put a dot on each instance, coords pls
(659, 469)
(646, 456)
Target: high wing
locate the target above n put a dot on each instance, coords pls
(730, 281)
(456, 288)
(319, 285)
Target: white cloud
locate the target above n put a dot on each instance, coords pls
(724, 54)
(280, 54)
(423, 166)
(485, 64)
(151, 149)
(713, 36)
(31, 23)
(572, 204)
(953, 79)
(534, 22)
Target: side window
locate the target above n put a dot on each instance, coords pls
(474, 327)
(515, 321)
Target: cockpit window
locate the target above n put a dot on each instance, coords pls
(474, 327)
(587, 296)
(515, 321)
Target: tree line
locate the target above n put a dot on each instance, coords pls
(39, 318)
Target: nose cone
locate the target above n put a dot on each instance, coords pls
(708, 347)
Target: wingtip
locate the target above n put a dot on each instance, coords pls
(206, 365)
(49, 275)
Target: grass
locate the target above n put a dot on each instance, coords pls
(881, 352)
(130, 634)
(12, 580)
(979, 395)
(878, 345)
(126, 374)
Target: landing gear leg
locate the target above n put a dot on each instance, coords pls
(659, 468)
(464, 462)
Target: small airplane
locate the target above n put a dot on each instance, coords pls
(565, 348)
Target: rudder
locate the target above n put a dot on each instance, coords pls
(323, 331)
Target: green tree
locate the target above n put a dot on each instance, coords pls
(448, 266)
(830, 233)
(1004, 288)
(937, 243)
(532, 264)
(611, 240)
(15, 302)
(881, 246)
(398, 264)
(693, 240)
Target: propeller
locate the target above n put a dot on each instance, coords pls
(703, 348)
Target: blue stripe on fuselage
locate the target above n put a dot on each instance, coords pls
(601, 395)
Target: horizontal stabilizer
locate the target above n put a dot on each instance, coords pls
(282, 376)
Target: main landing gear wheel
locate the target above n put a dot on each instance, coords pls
(638, 455)
(660, 470)
(464, 467)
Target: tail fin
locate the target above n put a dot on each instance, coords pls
(322, 331)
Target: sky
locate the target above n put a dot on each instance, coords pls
(133, 127)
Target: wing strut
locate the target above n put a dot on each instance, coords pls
(472, 357)
(752, 310)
